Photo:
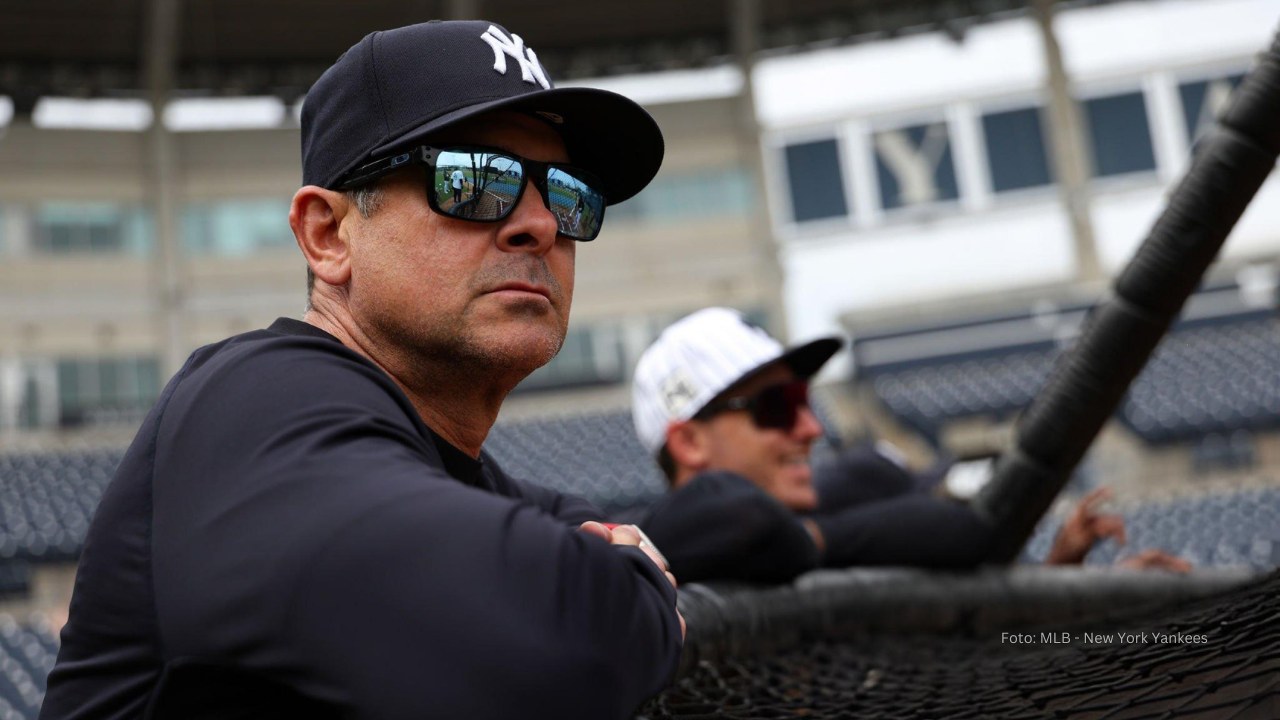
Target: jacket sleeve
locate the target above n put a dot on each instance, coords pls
(311, 536)
(496, 607)
(912, 530)
(721, 527)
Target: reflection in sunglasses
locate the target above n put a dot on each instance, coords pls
(484, 185)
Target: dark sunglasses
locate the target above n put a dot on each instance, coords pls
(484, 184)
(776, 407)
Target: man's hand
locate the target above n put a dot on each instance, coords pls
(815, 533)
(1084, 528)
(632, 535)
(1153, 559)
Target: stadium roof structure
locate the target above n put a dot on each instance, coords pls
(129, 48)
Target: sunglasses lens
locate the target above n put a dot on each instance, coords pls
(476, 185)
(778, 405)
(577, 205)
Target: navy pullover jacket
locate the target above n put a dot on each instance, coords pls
(286, 538)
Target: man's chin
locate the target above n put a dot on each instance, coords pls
(522, 344)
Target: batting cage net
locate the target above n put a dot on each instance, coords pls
(1035, 643)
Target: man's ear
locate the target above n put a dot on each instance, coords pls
(687, 442)
(316, 216)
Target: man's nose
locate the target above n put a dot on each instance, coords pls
(807, 428)
(531, 226)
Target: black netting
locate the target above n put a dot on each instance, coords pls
(1217, 658)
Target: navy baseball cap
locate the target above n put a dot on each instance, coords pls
(396, 87)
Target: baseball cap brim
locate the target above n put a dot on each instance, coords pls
(605, 133)
(804, 360)
(807, 359)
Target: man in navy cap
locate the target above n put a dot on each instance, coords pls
(305, 525)
(724, 409)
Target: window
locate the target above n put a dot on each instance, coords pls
(236, 228)
(815, 181)
(91, 227)
(914, 167)
(1016, 149)
(1120, 133)
(1202, 102)
(715, 192)
(107, 389)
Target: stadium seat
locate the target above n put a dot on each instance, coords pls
(27, 653)
(1209, 378)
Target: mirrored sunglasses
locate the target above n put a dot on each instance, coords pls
(776, 407)
(485, 184)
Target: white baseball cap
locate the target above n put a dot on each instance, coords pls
(700, 356)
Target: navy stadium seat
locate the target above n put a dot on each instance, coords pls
(1203, 379)
(47, 500)
(27, 653)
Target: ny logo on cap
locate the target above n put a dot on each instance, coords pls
(677, 392)
(530, 69)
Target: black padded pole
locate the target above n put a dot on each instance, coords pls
(1090, 378)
